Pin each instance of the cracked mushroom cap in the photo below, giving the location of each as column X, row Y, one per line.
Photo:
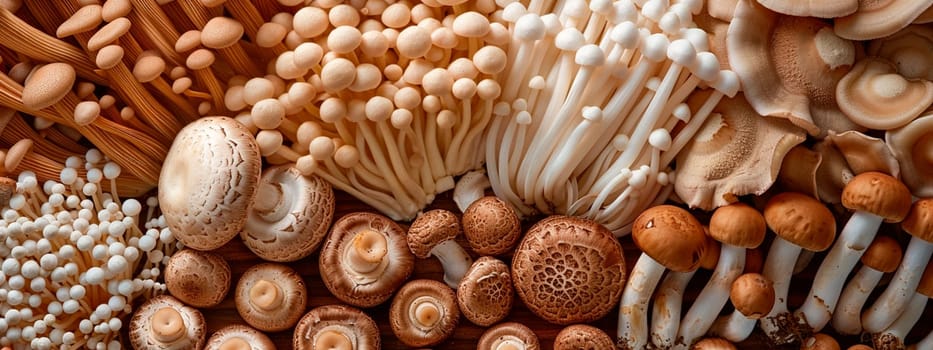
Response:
column 812, row 8
column 883, row 254
column 713, row 344
column 485, row 293
column 919, row 221
column 912, row 145
column 197, row 278
column 424, row 313
column 164, row 322
column 875, row 96
column 491, row 226
column 582, row 337
column 878, row 19
column 430, row 229
column 752, row 295
column 738, row 224
column 671, row 236
column 569, row 270
column 208, row 181
column 239, row 337
column 879, row 194
column 801, row 220
column 290, row 216
column 336, row 327
column 508, row 336
column 271, row 297
column 365, row 259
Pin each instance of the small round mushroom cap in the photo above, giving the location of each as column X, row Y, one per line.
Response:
column 239, row 337
column 710, row 257
column 877, row 193
column 508, row 336
column 752, row 295
column 164, row 322
column 47, row 85
column 197, row 278
column 820, row 341
column 365, row 259
column 290, row 216
column 424, row 313
column 271, row 297
column 713, row 344
column 582, row 337
column 738, row 224
column 430, row 229
column 875, row 96
column 569, row 270
column 671, row 236
column 491, row 226
column 878, row 19
column 801, row 220
column 208, row 181
column 912, row 145
column 919, row 221
column 221, row 32
column 883, row 254
column 336, row 327
column 485, row 293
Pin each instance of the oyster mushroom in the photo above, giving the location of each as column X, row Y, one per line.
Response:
column 239, row 337
column 365, row 259
column 423, row 313
column 433, row 233
column 290, row 216
column 568, row 270
column 163, row 322
column 909, row 49
column 882, row 256
column 809, row 8
column 875, row 96
column 508, row 336
column 582, row 337
column 271, row 297
column 798, row 171
column 485, row 293
column 878, row 19
column 491, row 226
column 864, row 153
column 912, row 145
column 753, row 297
column 336, row 327
column 197, row 278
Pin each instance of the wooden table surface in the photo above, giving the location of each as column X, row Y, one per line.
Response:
column 466, row 334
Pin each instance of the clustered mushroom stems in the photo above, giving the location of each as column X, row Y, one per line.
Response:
column 882, row 256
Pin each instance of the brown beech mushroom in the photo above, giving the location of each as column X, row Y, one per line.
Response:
column 336, row 327
column 808, row 8
column 432, row 234
column 239, row 337
column 508, row 336
column 271, row 297
column 365, row 259
column 893, row 337
column 491, row 226
column 820, row 341
column 568, row 270
column 878, row 19
column 912, row 145
column 164, row 322
column 485, row 293
column 713, row 344
column 752, row 295
column 208, row 181
column 197, row 278
column 875, row 96
column 582, row 337
column 290, row 215
column 882, row 256
column 424, row 313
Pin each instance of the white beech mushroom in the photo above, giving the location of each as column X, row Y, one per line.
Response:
column 882, row 256
column 365, row 259
column 878, row 19
column 432, row 234
column 752, row 295
column 197, row 278
column 670, row 238
column 799, row 222
column 164, row 322
column 491, row 226
column 912, row 147
column 508, row 336
column 290, row 216
column 875, row 197
column 666, row 309
column 581, row 336
column 239, row 337
column 271, row 297
column 336, row 327
column 485, row 293
column 893, row 337
column 423, row 313
column 470, row 188
column 875, row 96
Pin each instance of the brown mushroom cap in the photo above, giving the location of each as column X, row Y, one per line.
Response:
column 424, row 313
column 875, row 96
column 290, row 216
column 912, row 145
column 820, row 341
column 197, row 278
column 47, row 85
column 239, row 337
column 926, row 281
column 485, row 293
column 164, row 322
column 864, row 153
column 798, row 170
column 738, row 224
column 752, row 295
column 507, row 334
column 801, row 220
column 883, row 254
column 491, row 226
column 877, row 19
column 879, row 194
column 271, row 297
column 381, row 243
column 859, row 347
column 671, row 236
column 221, row 32
column 711, row 254
column 208, row 181
column 582, row 337
column 919, row 221
column 809, row 8
column 430, row 229
column 336, row 327
column 713, row 344
column 569, row 270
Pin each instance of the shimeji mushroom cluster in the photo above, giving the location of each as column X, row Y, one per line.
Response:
column 76, row 257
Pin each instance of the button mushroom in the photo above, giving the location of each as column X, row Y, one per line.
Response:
column 239, row 337
column 713, row 344
column 882, row 256
column 163, row 322
column 508, row 336
column 485, row 293
column 271, row 297
column 568, row 270
column 432, row 234
column 197, row 278
column 491, row 226
column 336, row 327
column 423, row 313
column 365, row 259
column 753, row 297
column 912, row 146
column 582, row 337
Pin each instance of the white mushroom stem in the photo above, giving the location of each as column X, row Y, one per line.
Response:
column 897, row 295
column 455, row 261
column 735, row 327
column 665, row 311
column 847, row 316
column 779, row 271
column 713, row 296
column 469, row 188
column 902, row 325
column 633, row 317
column 855, row 237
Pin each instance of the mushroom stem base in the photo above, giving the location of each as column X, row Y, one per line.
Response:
column 633, row 317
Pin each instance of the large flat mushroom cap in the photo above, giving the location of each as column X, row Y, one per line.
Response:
column 485, row 293
column 508, row 333
column 271, row 297
column 801, row 220
column 582, row 337
column 208, row 181
column 164, row 322
column 879, row 194
column 875, row 96
column 430, row 229
column 671, row 236
column 358, row 329
column 200, row 279
column 569, row 270
column 812, row 8
column 912, row 145
column 879, row 18
column 919, row 222
column 239, row 337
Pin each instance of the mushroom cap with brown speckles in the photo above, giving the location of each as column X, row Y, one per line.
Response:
column 752, row 295
column 430, row 229
column 200, row 279
column 439, row 304
column 801, row 220
column 239, row 337
column 485, row 293
column 582, row 337
column 352, row 323
column 508, row 333
column 491, row 226
column 877, row 193
column 271, row 297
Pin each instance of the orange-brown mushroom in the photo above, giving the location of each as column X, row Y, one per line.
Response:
column 239, row 337
column 508, row 336
column 582, row 337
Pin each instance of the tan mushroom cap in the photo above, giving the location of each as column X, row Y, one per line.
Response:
column 671, row 236
column 713, row 344
column 812, row 8
column 798, row 171
column 271, row 297
column 883, row 254
column 208, row 181
column 875, row 96
column 290, row 215
column 378, row 241
column 926, row 281
column 569, row 270
column 879, row 194
column 485, row 293
column 221, row 32
column 197, row 278
column 336, row 327
column 430, row 229
column 738, row 224
column 912, row 145
column 801, row 220
column 864, row 153
column 820, row 341
column 424, row 313
column 47, row 85
column 582, row 337
column 909, row 49
column 919, row 221
column 859, row 347
column 879, row 18
column 503, row 335
column 239, row 337
column 491, row 226
column 164, row 322
column 752, row 295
